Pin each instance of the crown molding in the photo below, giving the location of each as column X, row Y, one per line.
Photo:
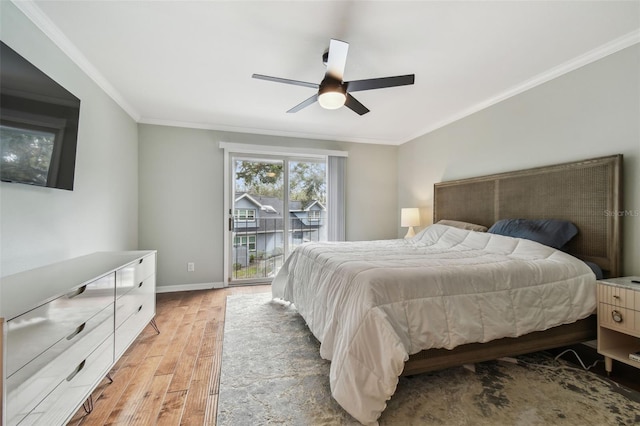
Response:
column 44, row 24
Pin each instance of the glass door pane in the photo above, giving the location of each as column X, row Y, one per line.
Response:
column 258, row 208
column 307, row 201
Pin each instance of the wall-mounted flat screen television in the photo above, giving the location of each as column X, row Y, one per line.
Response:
column 38, row 125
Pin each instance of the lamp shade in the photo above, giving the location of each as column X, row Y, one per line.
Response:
column 410, row 217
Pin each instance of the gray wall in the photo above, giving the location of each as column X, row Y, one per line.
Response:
column 590, row 112
column 181, row 196
column 43, row 225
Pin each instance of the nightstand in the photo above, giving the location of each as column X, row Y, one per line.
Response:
column 618, row 320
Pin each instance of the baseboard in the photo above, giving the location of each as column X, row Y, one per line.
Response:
column 188, row 287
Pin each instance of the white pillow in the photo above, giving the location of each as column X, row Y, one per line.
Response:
column 463, row 225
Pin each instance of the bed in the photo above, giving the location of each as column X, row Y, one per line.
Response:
column 450, row 296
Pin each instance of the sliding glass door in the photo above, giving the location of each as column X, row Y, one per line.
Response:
column 277, row 203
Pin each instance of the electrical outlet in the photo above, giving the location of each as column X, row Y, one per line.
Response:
column 191, row 267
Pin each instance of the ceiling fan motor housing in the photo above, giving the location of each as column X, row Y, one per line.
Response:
column 331, row 84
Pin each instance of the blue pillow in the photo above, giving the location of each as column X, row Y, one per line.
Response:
column 596, row 270
column 550, row 232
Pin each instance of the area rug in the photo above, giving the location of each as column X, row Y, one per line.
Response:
column 272, row 373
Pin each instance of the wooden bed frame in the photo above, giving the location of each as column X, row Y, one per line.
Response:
column 587, row 193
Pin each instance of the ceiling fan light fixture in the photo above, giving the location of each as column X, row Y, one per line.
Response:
column 332, row 94
column 332, row 100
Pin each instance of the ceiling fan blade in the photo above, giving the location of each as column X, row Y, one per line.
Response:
column 337, row 58
column 380, row 83
column 304, row 103
column 354, row 105
column 286, row 81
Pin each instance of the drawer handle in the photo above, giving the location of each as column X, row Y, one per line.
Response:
column 77, row 292
column 617, row 316
column 77, row 331
column 140, row 308
column 140, row 285
column 76, row 371
column 615, row 296
column 140, row 261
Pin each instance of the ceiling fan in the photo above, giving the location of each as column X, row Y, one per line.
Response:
column 332, row 91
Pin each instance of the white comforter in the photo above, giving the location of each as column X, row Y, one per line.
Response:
column 372, row 304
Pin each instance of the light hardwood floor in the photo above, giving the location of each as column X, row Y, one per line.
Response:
column 169, row 378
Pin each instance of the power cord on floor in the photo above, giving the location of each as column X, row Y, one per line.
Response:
column 562, row 367
column 553, row 367
column 579, row 359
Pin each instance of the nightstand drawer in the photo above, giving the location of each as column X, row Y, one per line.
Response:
column 619, row 318
column 619, row 296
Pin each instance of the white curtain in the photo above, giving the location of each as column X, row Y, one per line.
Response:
column 336, row 203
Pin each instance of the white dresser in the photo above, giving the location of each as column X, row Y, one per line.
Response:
column 65, row 325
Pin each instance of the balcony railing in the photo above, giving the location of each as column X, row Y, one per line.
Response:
column 258, row 245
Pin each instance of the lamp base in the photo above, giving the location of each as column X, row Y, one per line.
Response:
column 410, row 232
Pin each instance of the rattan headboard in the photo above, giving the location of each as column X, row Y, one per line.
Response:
column 587, row 193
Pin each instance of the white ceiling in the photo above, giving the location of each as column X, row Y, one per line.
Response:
column 190, row 63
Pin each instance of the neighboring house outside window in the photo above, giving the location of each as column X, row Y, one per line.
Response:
column 248, row 215
column 259, row 223
column 249, row 241
column 314, row 215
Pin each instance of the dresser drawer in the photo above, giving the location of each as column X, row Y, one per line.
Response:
column 145, row 267
column 40, row 376
column 134, row 324
column 619, row 318
column 133, row 274
column 128, row 303
column 77, row 381
column 33, row 332
column 619, row 296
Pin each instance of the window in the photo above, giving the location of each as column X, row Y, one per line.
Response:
column 314, row 215
column 245, row 215
column 248, row 240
